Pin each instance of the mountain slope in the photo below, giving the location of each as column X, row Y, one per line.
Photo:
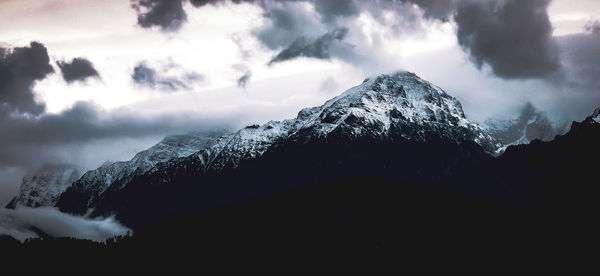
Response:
column 556, row 178
column 44, row 186
column 85, row 190
column 400, row 103
column 395, row 126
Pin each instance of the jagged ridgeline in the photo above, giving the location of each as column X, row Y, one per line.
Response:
column 394, row 126
column 44, row 186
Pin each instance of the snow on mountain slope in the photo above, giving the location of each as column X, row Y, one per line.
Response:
column 372, row 108
column 44, row 186
column 116, row 174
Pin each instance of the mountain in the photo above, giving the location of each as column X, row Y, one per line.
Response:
column 85, row 190
column 44, row 186
column 395, row 126
column 557, row 178
column 419, row 187
column 531, row 124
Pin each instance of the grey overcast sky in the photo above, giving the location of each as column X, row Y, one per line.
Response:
column 84, row 81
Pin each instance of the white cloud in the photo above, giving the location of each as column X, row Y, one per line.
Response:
column 22, row 223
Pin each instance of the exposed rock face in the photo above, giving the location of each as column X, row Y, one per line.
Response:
column 44, row 186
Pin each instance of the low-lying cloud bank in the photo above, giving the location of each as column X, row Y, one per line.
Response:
column 23, row 223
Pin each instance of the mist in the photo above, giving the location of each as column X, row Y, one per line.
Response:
column 24, row 223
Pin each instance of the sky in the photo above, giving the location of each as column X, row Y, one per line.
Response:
column 86, row 81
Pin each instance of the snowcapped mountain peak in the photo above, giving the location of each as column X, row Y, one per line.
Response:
column 44, row 186
column 404, row 92
column 376, row 107
column 383, row 101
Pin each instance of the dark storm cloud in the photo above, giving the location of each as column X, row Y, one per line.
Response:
column 287, row 22
column 318, row 48
column 200, row 3
column 19, row 69
column 79, row 69
column 29, row 137
column 580, row 56
column 244, row 79
column 438, row 9
column 166, row 14
column 593, row 27
column 513, row 37
column 144, row 75
column 332, row 9
column 329, row 85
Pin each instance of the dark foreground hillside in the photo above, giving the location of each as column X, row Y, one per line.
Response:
column 337, row 219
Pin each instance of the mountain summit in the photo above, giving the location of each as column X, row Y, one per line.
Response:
column 396, row 104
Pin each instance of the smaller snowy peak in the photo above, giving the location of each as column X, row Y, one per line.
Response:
column 248, row 143
column 171, row 147
column 44, row 186
column 529, row 125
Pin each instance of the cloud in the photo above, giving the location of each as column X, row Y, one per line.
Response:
column 318, row 48
column 513, row 37
column 330, row 10
column 146, row 76
column 244, row 79
column 19, row 69
column 79, row 69
column 438, row 9
column 329, row 85
column 87, row 135
column 29, row 137
column 580, row 58
column 168, row 15
column 593, row 27
column 23, row 223
column 287, row 21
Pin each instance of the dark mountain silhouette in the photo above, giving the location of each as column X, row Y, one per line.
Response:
column 558, row 177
